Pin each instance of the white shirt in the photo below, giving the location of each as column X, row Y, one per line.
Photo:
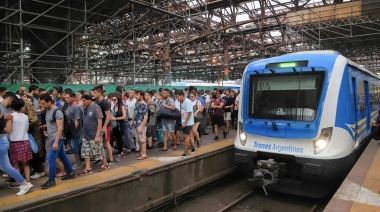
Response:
column 208, row 98
column 131, row 107
column 177, row 105
column 20, row 127
column 1, row 99
column 237, row 99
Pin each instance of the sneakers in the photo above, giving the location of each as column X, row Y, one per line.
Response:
column 13, row 185
column 216, row 138
column 5, row 175
column 78, row 165
column 98, row 163
column 24, row 189
column 69, row 176
column 119, row 158
column 104, row 168
column 85, row 171
column 37, row 175
column 48, row 184
column 225, row 134
column 110, row 162
column 11, row 180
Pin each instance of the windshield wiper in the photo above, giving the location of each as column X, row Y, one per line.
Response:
column 274, row 125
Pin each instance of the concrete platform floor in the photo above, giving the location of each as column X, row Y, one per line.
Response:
column 129, row 164
column 360, row 190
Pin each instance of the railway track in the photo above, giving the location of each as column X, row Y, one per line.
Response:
column 234, row 193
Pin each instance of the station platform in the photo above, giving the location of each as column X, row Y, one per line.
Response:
column 360, row 190
column 130, row 185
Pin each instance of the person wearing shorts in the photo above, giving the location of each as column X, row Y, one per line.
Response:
column 92, row 142
column 168, row 125
column 218, row 115
column 98, row 92
column 229, row 100
column 140, row 122
column 187, row 120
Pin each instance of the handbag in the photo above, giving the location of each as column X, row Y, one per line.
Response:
column 166, row 113
column 33, row 143
column 112, row 122
column 160, row 136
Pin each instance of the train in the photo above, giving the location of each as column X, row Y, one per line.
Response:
column 230, row 84
column 304, row 119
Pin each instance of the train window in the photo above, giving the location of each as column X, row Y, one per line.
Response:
column 286, row 96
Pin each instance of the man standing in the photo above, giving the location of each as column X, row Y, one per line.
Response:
column 74, row 114
column 55, row 128
column 5, row 105
column 128, row 137
column 218, row 115
column 3, row 90
column 34, row 91
column 22, row 90
column 168, row 124
column 140, row 120
column 92, row 139
column 105, row 107
column 187, row 120
column 228, row 108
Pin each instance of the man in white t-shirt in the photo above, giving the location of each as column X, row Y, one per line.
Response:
column 187, row 120
column 128, row 136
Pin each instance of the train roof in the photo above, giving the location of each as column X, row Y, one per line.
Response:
column 303, row 54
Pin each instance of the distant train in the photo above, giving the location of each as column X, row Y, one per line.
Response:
column 304, row 119
column 225, row 84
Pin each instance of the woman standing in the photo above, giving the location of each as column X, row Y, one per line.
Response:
column 197, row 109
column 5, row 165
column 20, row 151
column 118, row 115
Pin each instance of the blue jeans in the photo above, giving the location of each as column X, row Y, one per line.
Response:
column 127, row 137
column 5, row 165
column 75, row 144
column 61, row 154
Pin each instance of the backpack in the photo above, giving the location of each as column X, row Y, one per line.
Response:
column 68, row 125
column 149, row 112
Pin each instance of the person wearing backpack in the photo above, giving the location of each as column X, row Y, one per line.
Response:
column 56, row 137
column 74, row 116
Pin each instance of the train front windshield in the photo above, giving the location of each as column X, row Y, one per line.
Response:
column 285, row 96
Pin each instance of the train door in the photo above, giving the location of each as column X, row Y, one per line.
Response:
column 357, row 119
column 368, row 106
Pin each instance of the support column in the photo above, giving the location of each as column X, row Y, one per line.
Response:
column 225, row 60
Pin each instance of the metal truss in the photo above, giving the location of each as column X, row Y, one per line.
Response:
column 161, row 41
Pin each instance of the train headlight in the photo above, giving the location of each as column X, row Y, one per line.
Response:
column 242, row 135
column 321, row 144
column 323, row 140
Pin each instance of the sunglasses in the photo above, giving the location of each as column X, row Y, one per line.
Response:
column 113, row 99
column 217, row 93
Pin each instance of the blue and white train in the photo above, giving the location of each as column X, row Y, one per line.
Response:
column 304, row 119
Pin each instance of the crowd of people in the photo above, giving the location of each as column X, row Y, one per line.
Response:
column 92, row 126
